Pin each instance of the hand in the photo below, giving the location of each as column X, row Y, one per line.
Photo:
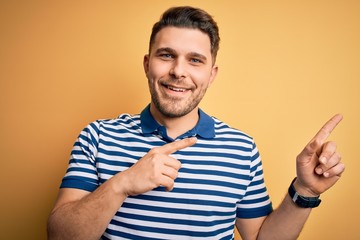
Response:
column 156, row 168
column 318, row 166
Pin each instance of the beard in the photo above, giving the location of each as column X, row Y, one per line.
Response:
column 173, row 107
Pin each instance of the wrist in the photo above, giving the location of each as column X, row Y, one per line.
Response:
column 119, row 185
column 302, row 190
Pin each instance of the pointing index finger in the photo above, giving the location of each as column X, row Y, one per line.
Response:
column 329, row 126
column 177, row 145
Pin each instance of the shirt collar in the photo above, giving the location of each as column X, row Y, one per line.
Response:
column 205, row 127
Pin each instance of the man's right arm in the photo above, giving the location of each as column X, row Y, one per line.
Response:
column 79, row 214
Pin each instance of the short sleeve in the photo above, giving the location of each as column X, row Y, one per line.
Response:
column 81, row 172
column 256, row 202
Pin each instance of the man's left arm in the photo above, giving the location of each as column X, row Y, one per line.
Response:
column 318, row 168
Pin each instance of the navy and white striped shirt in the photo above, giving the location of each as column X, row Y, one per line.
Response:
column 220, row 178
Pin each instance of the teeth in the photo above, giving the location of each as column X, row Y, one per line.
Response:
column 176, row 89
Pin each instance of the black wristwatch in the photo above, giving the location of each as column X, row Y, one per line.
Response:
column 301, row 201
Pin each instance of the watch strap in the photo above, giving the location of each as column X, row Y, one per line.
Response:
column 302, row 201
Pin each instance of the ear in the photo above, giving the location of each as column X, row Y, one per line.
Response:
column 214, row 71
column 146, row 63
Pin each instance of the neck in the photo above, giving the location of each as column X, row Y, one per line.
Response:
column 176, row 126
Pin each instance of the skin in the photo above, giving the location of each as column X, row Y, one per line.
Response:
column 179, row 69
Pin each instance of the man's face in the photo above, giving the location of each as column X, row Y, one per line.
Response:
column 179, row 69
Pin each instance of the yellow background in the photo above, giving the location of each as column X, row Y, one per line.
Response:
column 285, row 68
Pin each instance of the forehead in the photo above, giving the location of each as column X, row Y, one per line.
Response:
column 183, row 40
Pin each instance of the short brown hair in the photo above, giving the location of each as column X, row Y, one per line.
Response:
column 189, row 17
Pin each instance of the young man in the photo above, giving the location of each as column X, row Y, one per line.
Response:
column 173, row 172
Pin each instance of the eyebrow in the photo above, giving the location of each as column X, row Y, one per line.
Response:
column 198, row 55
column 165, row 49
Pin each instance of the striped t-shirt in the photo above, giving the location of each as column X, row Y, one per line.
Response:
column 220, row 178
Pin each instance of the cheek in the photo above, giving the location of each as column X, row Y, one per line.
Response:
column 158, row 70
column 201, row 79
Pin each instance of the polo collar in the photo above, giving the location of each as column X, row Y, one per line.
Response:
column 205, row 127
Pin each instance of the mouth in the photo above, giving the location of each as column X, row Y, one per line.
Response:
column 177, row 89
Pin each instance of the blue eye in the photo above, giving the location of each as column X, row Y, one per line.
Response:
column 166, row 55
column 196, row 60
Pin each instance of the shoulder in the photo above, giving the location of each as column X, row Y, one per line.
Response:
column 223, row 130
column 123, row 123
column 125, row 120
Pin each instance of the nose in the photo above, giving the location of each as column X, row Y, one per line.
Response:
column 178, row 69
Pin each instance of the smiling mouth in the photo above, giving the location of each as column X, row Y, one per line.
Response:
column 175, row 89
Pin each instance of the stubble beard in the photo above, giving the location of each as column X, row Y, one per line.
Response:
column 174, row 107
